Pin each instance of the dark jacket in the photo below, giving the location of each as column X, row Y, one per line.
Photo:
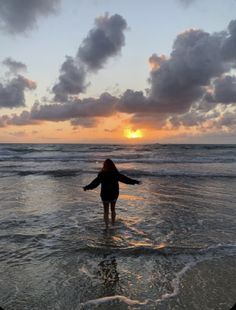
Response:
column 110, row 184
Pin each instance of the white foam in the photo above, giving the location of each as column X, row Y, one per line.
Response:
column 110, row 300
column 175, row 283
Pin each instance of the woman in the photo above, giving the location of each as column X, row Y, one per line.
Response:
column 109, row 178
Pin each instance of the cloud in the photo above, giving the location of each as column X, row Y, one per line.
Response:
column 24, row 118
column 80, row 112
column 227, row 120
column 229, row 46
column 21, row 16
column 156, row 61
column 12, row 92
column 103, row 41
column 192, row 118
column 76, row 108
column 191, row 88
column 224, row 90
column 180, row 80
column 196, row 64
column 71, row 80
column 14, row 66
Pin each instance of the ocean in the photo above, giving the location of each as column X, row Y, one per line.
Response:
column 173, row 246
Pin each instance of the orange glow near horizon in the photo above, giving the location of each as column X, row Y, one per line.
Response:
column 133, row 134
column 115, row 129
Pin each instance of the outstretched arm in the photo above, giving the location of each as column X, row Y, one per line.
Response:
column 93, row 184
column 124, row 179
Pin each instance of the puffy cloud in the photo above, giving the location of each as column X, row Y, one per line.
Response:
column 134, row 102
column 103, row 41
column 192, row 118
column 88, row 107
column 24, row 118
column 180, row 80
column 71, row 80
column 20, row 16
column 12, row 93
column 229, row 46
column 177, row 83
column 14, row 66
column 224, row 90
column 81, row 112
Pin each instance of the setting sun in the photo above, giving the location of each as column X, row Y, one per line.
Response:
column 133, row 134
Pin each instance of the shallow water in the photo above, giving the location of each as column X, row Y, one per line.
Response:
column 172, row 247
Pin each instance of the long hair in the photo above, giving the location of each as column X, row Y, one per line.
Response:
column 108, row 165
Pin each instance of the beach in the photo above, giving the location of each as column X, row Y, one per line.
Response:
column 173, row 245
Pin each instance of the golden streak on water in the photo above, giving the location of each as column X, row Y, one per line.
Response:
column 161, row 245
column 131, row 197
column 148, row 244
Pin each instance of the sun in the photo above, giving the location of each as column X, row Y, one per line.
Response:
column 133, row 134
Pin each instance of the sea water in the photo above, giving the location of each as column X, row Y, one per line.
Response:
column 173, row 245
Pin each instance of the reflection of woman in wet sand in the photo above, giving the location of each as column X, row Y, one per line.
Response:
column 109, row 178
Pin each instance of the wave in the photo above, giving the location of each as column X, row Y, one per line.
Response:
column 131, row 173
column 53, row 173
column 178, row 174
column 110, row 301
column 166, row 250
column 122, row 159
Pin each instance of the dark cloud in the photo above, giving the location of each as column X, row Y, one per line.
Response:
column 20, row 120
column 12, row 93
column 24, row 118
column 103, row 41
column 89, row 107
column 192, row 118
column 71, row 80
column 14, row 66
column 18, row 16
column 134, row 102
column 180, row 81
column 81, row 112
column 229, row 45
column 224, row 90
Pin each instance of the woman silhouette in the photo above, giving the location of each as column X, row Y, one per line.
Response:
column 109, row 178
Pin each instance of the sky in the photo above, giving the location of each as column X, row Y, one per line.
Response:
column 109, row 71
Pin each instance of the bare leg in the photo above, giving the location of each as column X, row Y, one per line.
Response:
column 106, row 213
column 113, row 212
